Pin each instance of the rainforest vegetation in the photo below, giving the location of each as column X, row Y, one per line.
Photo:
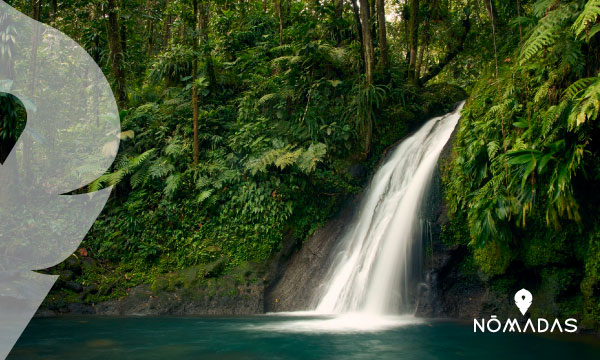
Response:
column 246, row 123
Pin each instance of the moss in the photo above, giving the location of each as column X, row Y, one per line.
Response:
column 493, row 258
column 590, row 286
column 547, row 247
column 556, row 287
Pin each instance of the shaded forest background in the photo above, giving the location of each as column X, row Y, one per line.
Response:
column 249, row 122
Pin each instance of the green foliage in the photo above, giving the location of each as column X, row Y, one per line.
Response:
column 525, row 162
column 590, row 286
column 587, row 18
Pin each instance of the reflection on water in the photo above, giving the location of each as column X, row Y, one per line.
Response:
column 290, row 336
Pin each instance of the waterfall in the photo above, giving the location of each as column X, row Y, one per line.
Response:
column 378, row 258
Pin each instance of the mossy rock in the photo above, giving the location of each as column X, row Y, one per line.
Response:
column 546, row 248
column 590, row 286
column 493, row 258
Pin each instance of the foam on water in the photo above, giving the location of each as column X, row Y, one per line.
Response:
column 313, row 322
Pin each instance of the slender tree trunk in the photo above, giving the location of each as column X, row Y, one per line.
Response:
column 520, row 27
column 116, row 53
column 489, row 6
column 369, row 52
column 168, row 22
column 413, row 28
column 338, row 15
column 196, row 31
column 424, row 43
column 356, row 12
column 372, row 19
column 123, row 35
column 277, row 5
column 150, row 26
column 490, row 9
column 384, row 59
column 203, row 10
column 53, row 11
column 36, row 9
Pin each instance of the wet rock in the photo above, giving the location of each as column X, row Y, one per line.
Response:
column 88, row 264
column 303, row 269
column 357, row 171
column 73, row 264
column 66, row 275
column 80, row 309
column 73, row 286
column 91, row 289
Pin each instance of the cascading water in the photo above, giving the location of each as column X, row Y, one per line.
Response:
column 376, row 259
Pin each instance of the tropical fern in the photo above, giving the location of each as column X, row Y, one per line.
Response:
column 588, row 17
column 587, row 107
column 547, row 31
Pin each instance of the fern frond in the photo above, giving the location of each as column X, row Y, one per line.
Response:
column 587, row 107
column 546, row 32
column 310, row 158
column 203, row 196
column 173, row 183
column 160, row 168
column 577, row 87
column 588, row 17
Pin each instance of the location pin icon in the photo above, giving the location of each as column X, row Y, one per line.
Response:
column 523, row 299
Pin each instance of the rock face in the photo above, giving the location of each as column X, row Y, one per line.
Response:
column 448, row 291
column 301, row 273
column 142, row 301
column 200, row 301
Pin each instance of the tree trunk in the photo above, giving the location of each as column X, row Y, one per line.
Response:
column 116, row 53
column 424, row 43
column 338, row 15
column 490, row 9
column 150, row 27
column 356, row 12
column 196, row 31
column 413, row 34
column 36, row 10
column 369, row 52
column 384, row 59
column 53, row 11
column 277, row 5
column 203, row 10
column 123, row 34
column 372, row 19
column 168, row 22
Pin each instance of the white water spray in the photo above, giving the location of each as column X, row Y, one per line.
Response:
column 376, row 257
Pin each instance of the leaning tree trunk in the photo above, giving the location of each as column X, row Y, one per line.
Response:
column 413, row 33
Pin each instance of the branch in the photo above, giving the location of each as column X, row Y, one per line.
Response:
column 436, row 69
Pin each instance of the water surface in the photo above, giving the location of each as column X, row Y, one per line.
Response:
column 283, row 337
